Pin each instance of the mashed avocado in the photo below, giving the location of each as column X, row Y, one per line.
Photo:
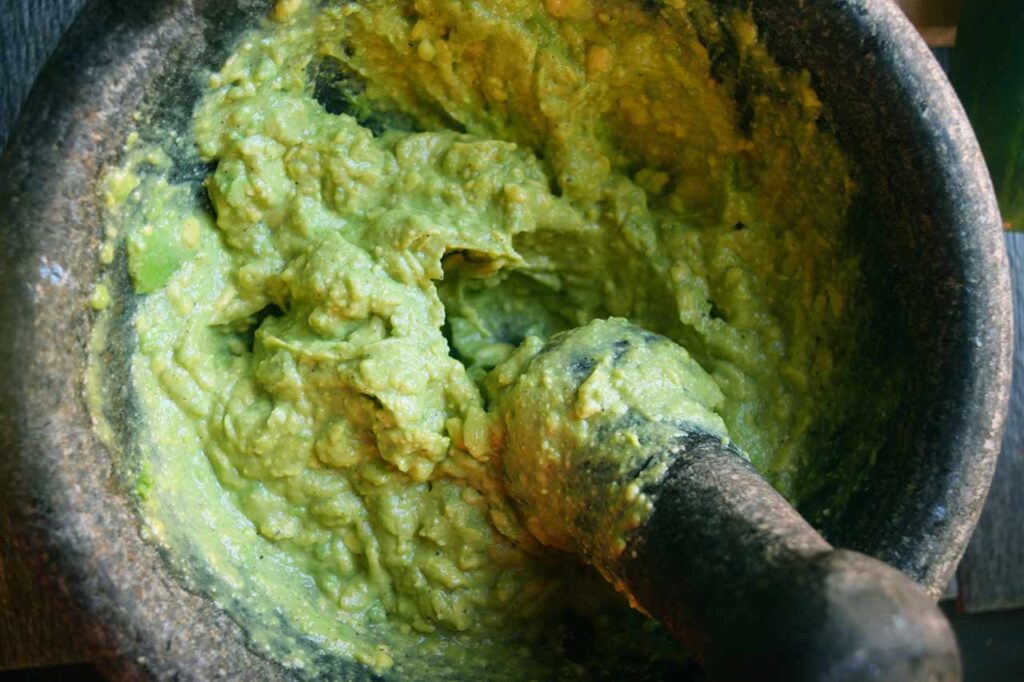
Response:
column 402, row 194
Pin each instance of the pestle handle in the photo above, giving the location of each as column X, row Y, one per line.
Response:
column 748, row 585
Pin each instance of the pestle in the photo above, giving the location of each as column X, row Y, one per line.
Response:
column 613, row 451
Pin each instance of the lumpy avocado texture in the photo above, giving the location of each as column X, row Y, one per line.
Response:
column 403, row 193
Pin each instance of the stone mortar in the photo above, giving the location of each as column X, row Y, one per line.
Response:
column 934, row 216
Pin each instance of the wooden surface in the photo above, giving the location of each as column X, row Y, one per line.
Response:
column 936, row 19
column 925, row 13
column 34, row 630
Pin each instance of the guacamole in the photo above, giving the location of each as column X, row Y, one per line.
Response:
column 401, row 194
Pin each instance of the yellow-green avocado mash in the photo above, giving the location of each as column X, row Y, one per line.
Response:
column 403, row 193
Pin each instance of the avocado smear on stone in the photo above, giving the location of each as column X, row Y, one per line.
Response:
column 403, row 194
column 592, row 419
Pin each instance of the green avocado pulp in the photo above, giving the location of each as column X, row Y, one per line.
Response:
column 404, row 193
